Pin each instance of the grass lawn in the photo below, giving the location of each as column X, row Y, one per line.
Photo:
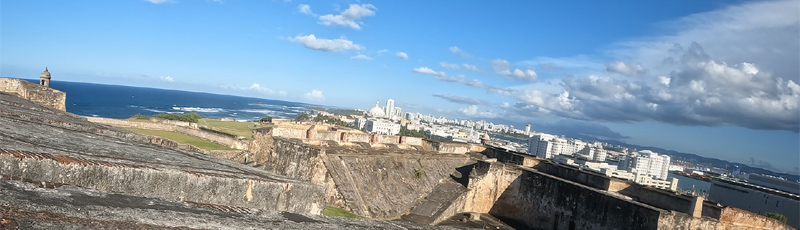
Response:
column 244, row 129
column 180, row 138
column 334, row 211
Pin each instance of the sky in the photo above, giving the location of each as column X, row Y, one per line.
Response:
column 714, row 78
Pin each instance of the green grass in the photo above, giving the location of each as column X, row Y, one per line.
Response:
column 244, row 129
column 181, row 138
column 338, row 212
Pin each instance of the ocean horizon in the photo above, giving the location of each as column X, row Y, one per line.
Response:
column 119, row 101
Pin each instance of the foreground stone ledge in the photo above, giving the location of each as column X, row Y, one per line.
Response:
column 29, row 206
column 164, row 183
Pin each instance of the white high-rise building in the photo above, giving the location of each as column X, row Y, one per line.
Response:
column 547, row 146
column 390, row 109
column 648, row 163
column 398, row 113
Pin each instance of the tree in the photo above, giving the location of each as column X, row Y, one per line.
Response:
column 777, row 216
column 266, row 119
column 330, row 120
column 302, row 117
column 187, row 117
column 404, row 131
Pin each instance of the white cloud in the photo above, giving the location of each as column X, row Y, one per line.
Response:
column 326, row 45
column 381, row 52
column 254, row 87
column 167, row 79
column 742, row 71
column 448, row 65
column 471, row 110
column 361, row 57
column 460, row 52
column 430, row 71
column 626, row 69
column 315, row 95
column 504, row 68
column 156, row 1
column 464, row 81
column 305, row 9
column 349, row 17
column 472, row 68
column 259, row 88
column 402, row 55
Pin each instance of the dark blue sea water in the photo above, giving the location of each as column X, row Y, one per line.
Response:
column 116, row 101
column 688, row 183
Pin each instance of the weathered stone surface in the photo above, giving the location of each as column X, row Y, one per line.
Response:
column 441, row 203
column 43, row 144
column 187, row 128
column 36, row 93
column 28, row 206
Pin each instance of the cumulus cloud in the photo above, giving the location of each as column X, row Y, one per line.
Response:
column 381, row 52
column 472, row 111
column 326, row 45
column 349, row 17
column 315, row 95
column 472, row 68
column 448, row 65
column 460, row 52
column 626, row 69
column 402, row 55
column 504, row 68
column 167, row 79
column 460, row 99
column 701, row 91
column 305, row 9
column 361, row 57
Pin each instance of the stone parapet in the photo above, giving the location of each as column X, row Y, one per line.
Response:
column 323, row 134
column 53, row 147
column 33, row 92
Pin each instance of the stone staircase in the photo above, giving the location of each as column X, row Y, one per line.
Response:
column 430, row 208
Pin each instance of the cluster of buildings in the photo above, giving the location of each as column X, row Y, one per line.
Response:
column 388, row 120
column 757, row 194
column 643, row 167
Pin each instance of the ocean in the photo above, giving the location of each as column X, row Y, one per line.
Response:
column 115, row 101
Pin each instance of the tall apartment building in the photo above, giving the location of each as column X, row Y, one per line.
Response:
column 548, row 146
column 646, row 162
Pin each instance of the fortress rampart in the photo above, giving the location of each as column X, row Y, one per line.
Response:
column 183, row 127
column 33, row 92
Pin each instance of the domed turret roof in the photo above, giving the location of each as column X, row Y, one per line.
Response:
column 45, row 73
column 375, row 111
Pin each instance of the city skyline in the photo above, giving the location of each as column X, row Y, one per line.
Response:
column 717, row 79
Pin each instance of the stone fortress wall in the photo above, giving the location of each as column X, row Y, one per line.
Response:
column 369, row 179
column 33, row 92
column 328, row 135
column 547, row 194
column 54, row 148
column 384, row 179
column 183, row 127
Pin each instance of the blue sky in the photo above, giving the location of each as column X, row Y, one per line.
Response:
column 714, row 78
